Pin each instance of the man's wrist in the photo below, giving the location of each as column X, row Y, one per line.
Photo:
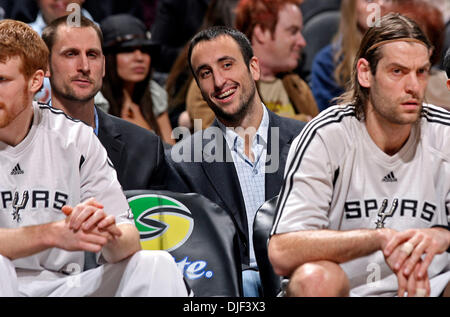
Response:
column 441, row 226
column 384, row 235
column 49, row 232
column 444, row 227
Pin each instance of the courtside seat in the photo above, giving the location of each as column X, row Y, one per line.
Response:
column 318, row 32
column 198, row 233
column 271, row 283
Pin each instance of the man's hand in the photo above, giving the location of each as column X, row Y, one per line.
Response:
column 427, row 242
column 410, row 253
column 89, row 216
column 86, row 227
column 411, row 284
column 80, row 240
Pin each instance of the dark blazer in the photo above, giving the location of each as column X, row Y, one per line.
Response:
column 136, row 153
column 218, row 181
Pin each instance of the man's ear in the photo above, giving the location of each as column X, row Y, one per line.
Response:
column 364, row 72
column 35, row 81
column 254, row 68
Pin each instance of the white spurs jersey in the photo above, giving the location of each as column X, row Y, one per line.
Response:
column 60, row 162
column 337, row 178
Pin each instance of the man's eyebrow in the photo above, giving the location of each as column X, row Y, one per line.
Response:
column 396, row 64
column 94, row 50
column 224, row 58
column 221, row 59
column 74, row 49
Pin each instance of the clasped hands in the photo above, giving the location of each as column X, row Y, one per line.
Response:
column 409, row 254
column 87, row 227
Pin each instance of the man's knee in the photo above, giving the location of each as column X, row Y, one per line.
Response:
column 446, row 292
column 153, row 263
column 321, row 279
column 6, row 265
column 153, row 273
column 158, row 258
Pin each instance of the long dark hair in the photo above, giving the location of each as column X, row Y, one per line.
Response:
column 112, row 90
column 391, row 27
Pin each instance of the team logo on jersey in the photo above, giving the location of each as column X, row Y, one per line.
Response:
column 23, row 201
column 163, row 222
column 389, row 178
column 19, row 206
column 382, row 214
column 17, row 170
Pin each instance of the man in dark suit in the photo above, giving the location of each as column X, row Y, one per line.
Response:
column 238, row 162
column 76, row 70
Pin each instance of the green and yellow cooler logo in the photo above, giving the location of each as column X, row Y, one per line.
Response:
column 163, row 222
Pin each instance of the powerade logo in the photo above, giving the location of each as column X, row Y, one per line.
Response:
column 165, row 223
column 194, row 270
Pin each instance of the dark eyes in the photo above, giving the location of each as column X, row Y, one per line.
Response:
column 205, row 73
column 88, row 54
column 423, row 71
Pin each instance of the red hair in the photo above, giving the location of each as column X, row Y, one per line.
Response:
column 250, row 13
column 18, row 39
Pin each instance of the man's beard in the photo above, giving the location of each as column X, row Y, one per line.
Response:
column 69, row 94
column 25, row 103
column 244, row 105
column 390, row 114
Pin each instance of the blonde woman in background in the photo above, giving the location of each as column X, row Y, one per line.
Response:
column 332, row 66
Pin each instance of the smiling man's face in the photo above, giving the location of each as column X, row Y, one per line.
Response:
column 226, row 82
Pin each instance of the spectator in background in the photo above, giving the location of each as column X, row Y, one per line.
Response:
column 128, row 87
column 430, row 20
column 331, row 68
column 274, row 28
column 76, row 67
column 52, row 9
column 220, row 12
